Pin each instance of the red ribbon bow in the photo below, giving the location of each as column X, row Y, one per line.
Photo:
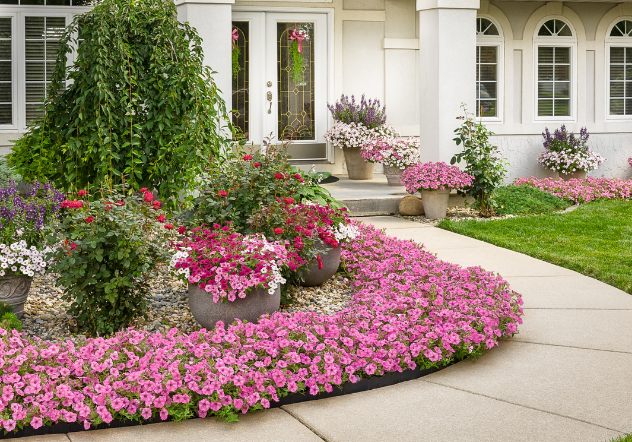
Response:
column 299, row 37
column 235, row 37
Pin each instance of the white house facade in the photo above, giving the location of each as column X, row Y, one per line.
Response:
column 521, row 66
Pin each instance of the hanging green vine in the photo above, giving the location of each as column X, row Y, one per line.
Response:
column 236, row 65
column 297, row 63
column 296, row 54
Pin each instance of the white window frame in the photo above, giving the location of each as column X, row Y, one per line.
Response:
column 556, row 42
column 499, row 42
column 19, row 13
column 617, row 42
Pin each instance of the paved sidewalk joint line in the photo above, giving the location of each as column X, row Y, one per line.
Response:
column 305, row 424
column 524, row 406
column 572, row 346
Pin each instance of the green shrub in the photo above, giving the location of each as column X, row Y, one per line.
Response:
column 8, row 320
column 523, row 200
column 240, row 184
column 482, row 161
column 109, row 247
column 141, row 107
column 7, row 173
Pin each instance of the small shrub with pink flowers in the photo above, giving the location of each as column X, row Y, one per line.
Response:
column 227, row 264
column 566, row 153
column 392, row 152
column 108, row 245
column 581, row 190
column 409, row 310
column 434, row 176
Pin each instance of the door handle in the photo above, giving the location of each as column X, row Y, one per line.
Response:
column 269, row 97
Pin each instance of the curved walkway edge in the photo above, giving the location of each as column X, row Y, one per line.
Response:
column 567, row 375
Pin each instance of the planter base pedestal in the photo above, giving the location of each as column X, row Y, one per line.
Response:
column 14, row 289
column 357, row 168
column 435, row 203
column 256, row 303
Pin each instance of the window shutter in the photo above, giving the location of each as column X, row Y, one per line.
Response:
column 42, row 35
column 6, row 72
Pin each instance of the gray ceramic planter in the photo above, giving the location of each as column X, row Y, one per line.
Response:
column 393, row 175
column 331, row 261
column 256, row 303
column 357, row 168
column 578, row 174
column 435, row 203
column 14, row 289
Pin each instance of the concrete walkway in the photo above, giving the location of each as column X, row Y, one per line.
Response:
column 566, row 377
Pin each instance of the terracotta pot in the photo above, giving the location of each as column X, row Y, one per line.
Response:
column 393, row 175
column 578, row 174
column 357, row 168
column 14, row 289
column 256, row 303
column 435, row 203
column 331, row 261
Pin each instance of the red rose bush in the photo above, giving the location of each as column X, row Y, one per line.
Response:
column 409, row 310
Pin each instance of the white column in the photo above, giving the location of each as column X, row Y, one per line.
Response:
column 447, row 54
column 213, row 21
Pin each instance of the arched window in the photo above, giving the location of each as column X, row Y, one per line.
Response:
column 619, row 50
column 488, row 72
column 555, row 47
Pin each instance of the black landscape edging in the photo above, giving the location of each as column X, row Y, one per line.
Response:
column 364, row 384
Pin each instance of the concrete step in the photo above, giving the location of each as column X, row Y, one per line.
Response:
column 375, row 196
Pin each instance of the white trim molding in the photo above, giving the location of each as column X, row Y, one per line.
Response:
column 618, row 42
column 424, row 5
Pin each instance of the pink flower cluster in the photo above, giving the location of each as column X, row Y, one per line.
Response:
column 568, row 161
column 409, row 310
column 581, row 190
column 434, row 176
column 392, row 152
column 228, row 264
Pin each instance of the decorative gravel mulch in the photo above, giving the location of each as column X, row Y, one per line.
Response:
column 45, row 312
column 454, row 214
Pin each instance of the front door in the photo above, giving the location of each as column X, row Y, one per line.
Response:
column 280, row 80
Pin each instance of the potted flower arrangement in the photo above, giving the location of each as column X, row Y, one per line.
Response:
column 568, row 154
column 230, row 275
column 315, row 232
column 395, row 155
column 355, row 125
column 110, row 242
column 23, row 249
column 435, row 181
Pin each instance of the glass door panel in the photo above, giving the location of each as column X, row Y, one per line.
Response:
column 241, row 78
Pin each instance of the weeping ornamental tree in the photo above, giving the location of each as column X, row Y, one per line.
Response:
column 136, row 107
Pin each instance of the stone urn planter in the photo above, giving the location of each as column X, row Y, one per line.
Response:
column 314, row 276
column 256, row 303
column 435, row 202
column 578, row 174
column 14, row 289
column 393, row 175
column 357, row 168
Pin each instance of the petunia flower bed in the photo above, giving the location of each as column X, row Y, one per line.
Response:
column 581, row 190
column 410, row 310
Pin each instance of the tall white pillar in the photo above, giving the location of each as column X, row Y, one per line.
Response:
column 447, row 54
column 213, row 21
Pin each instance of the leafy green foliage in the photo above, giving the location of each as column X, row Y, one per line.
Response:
column 297, row 63
column 7, row 173
column 241, row 184
column 523, row 200
column 482, row 160
column 141, row 108
column 8, row 320
column 595, row 239
column 109, row 249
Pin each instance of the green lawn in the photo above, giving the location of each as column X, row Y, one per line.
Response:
column 627, row 438
column 595, row 239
